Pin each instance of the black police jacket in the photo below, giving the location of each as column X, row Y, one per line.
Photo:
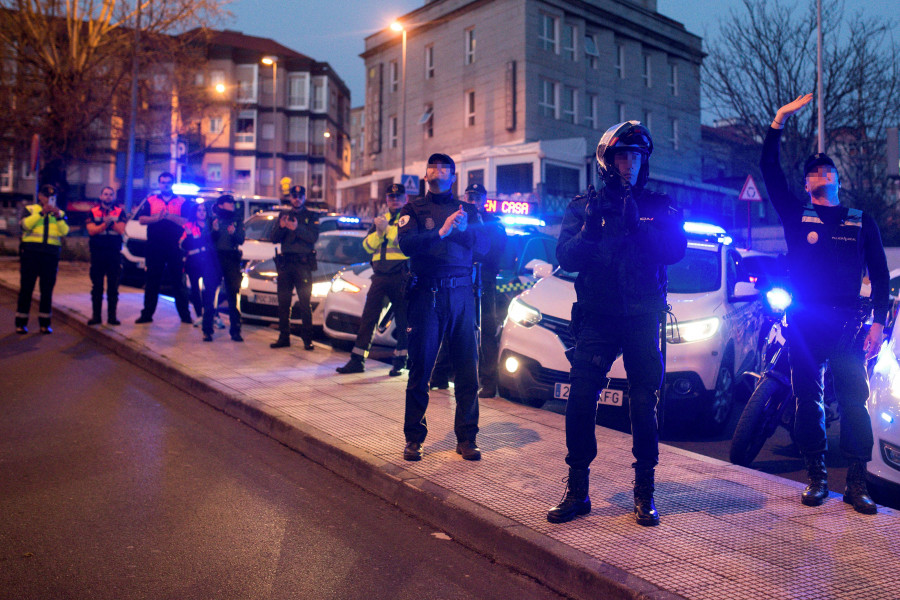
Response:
column 301, row 241
column 491, row 257
column 429, row 255
column 621, row 265
column 829, row 247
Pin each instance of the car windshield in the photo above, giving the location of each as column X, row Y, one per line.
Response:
column 259, row 227
column 698, row 272
column 341, row 249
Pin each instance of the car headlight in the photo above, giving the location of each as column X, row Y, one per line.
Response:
column 692, row 331
column 779, row 299
column 339, row 284
column 245, row 281
column 320, row 290
column 522, row 314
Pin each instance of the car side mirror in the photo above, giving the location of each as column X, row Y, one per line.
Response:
column 744, row 291
column 542, row 269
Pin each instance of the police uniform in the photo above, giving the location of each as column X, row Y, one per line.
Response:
column 200, row 263
column 441, row 304
column 829, row 250
column 389, row 274
column 295, row 264
column 164, row 257
column 106, row 260
column 228, row 254
column 39, row 252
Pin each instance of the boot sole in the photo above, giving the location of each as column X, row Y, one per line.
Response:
column 813, row 501
column 862, row 509
column 646, row 522
column 578, row 513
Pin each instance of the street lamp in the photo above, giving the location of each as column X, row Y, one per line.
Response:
column 273, row 61
column 398, row 26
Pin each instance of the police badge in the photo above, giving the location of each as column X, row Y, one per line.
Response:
column 429, row 223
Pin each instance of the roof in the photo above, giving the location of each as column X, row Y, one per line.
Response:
column 237, row 39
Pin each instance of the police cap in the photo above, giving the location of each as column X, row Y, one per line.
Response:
column 298, row 191
column 817, row 160
column 442, row 159
column 476, row 188
column 395, row 189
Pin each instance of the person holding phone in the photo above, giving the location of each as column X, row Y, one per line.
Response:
column 43, row 228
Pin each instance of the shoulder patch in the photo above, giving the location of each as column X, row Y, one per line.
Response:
column 403, row 221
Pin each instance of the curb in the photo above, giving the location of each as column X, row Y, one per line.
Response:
column 561, row 568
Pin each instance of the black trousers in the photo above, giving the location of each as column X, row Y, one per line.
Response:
column 205, row 266
column 106, row 264
column 165, row 264
column 489, row 351
column 36, row 262
column 598, row 344
column 816, row 339
column 392, row 287
column 434, row 316
column 227, row 281
column 295, row 275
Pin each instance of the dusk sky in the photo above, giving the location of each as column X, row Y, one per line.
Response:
column 333, row 30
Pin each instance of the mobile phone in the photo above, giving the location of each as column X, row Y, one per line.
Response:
column 52, row 201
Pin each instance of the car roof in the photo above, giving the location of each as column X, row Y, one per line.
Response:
column 344, row 232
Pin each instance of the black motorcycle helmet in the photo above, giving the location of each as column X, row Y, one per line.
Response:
column 630, row 135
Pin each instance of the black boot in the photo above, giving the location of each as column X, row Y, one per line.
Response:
column 644, row 509
column 817, row 490
column 575, row 501
column 111, row 314
column 95, row 313
column 397, row 366
column 283, row 341
column 356, row 364
column 856, row 492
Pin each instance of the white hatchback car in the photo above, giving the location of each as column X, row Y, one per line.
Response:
column 713, row 337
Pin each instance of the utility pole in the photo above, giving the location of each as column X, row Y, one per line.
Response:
column 129, row 156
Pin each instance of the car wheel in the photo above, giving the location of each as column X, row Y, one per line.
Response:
column 721, row 399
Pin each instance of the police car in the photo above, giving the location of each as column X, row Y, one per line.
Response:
column 526, row 248
column 335, row 250
column 712, row 334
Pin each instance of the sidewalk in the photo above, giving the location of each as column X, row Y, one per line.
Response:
column 726, row 531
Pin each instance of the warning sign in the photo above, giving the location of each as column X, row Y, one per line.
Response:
column 411, row 183
column 750, row 193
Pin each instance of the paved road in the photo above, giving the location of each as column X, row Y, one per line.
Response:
column 117, row 485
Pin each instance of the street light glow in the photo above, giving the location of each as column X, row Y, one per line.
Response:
column 268, row 60
column 397, row 26
column 220, row 87
column 328, row 134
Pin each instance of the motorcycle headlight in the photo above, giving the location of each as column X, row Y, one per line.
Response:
column 692, row 331
column 320, row 290
column 339, row 284
column 778, row 299
column 522, row 314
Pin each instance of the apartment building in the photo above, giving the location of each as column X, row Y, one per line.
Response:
column 520, row 91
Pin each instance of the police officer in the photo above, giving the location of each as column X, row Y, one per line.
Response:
column 619, row 241
column 389, row 272
column 161, row 213
column 829, row 248
column 105, row 225
column 228, row 235
column 297, row 231
column 440, row 235
column 490, row 324
column 43, row 227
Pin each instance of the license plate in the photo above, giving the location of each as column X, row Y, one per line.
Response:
column 609, row 396
column 270, row 299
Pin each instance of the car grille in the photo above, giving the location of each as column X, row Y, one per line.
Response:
column 547, row 376
column 560, row 327
column 343, row 322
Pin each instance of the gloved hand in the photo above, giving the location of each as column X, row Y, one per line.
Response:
column 593, row 217
column 632, row 215
column 611, row 207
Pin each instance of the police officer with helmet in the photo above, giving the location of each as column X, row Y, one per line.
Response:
column 830, row 246
column 297, row 231
column 619, row 240
column 389, row 274
column 440, row 235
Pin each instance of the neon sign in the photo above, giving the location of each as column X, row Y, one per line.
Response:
column 508, row 207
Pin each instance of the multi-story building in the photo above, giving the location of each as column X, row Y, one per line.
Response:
column 520, row 91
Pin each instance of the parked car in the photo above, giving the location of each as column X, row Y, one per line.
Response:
column 525, row 249
column 712, row 334
column 335, row 250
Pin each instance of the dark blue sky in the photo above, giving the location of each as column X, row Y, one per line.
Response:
column 333, row 30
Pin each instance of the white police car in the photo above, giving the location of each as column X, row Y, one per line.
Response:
column 714, row 336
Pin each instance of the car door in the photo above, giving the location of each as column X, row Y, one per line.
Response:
column 745, row 316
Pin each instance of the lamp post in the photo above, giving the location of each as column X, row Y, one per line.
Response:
column 397, row 26
column 273, row 61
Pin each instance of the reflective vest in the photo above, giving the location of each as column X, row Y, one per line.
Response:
column 165, row 232
column 384, row 248
column 43, row 229
column 108, row 240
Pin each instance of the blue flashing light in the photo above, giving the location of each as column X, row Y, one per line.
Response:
column 353, row 220
column 703, row 228
column 887, row 417
column 520, row 220
column 185, row 189
column 778, row 298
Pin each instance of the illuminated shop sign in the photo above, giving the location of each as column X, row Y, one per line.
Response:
column 509, row 207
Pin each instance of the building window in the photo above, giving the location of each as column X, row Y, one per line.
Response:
column 646, row 74
column 267, row 177
column 591, row 111
column 392, row 131
column 427, row 121
column 620, row 112
column 214, row 172
column 429, row 61
column 569, row 102
column 298, row 87
column 298, row 135
column 318, row 93
column 470, row 108
column 673, row 79
column 267, row 131
column 216, row 124
column 549, row 36
column 394, row 73
column 243, row 181
column 246, row 83
column 515, row 179
column 316, row 187
column 6, row 176
column 297, row 173
column 245, row 127
column 673, row 124
column 620, row 61
column 216, row 78
column 470, row 45
column 591, row 52
column 570, row 42
column 549, row 98
column 317, row 141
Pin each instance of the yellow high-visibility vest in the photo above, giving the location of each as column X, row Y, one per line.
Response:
column 384, row 247
column 43, row 229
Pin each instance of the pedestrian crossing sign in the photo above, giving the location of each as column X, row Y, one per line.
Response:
column 411, row 183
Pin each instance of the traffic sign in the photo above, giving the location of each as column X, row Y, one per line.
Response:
column 750, row 193
column 411, row 183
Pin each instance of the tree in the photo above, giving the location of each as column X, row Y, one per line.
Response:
column 765, row 56
column 67, row 69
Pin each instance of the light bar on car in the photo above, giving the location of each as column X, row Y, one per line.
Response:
column 520, row 220
column 185, row 189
